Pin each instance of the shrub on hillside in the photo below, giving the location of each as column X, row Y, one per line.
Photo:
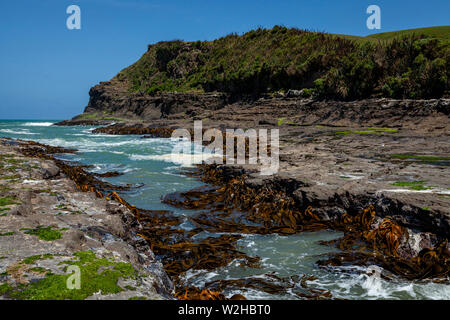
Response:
column 279, row 59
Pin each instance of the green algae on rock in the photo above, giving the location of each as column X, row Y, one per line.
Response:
column 97, row 274
column 44, row 233
column 6, row 201
column 414, row 185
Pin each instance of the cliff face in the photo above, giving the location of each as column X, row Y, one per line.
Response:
column 111, row 99
column 109, row 102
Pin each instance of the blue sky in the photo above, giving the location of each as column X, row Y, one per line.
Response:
column 46, row 70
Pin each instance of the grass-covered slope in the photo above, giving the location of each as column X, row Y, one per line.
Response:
column 441, row 33
column 408, row 65
column 432, row 32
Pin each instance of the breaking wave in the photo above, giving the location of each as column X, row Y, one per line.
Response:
column 185, row 160
column 18, row 131
column 38, row 124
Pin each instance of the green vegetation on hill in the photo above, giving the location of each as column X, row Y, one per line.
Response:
column 432, row 32
column 441, row 33
column 409, row 65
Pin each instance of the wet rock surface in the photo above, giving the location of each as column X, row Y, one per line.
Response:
column 47, row 225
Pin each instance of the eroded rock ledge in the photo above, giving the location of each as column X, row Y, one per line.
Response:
column 110, row 101
column 424, row 227
column 47, row 225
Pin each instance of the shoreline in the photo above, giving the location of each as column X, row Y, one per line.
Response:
column 416, row 238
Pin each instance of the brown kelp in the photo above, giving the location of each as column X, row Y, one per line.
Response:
column 194, row 293
column 149, row 132
column 84, row 181
column 273, row 284
column 379, row 245
column 232, row 205
column 268, row 211
column 174, row 247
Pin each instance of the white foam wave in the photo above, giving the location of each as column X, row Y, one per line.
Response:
column 37, row 124
column 185, row 160
column 434, row 291
column 437, row 191
column 104, row 135
column 18, row 131
column 374, row 287
column 87, row 143
column 32, row 181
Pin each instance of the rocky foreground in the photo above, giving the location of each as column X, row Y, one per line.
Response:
column 48, row 225
column 375, row 169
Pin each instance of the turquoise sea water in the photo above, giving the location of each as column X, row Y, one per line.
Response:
column 149, row 162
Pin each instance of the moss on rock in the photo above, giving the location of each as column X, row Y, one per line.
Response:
column 97, row 275
column 44, row 233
